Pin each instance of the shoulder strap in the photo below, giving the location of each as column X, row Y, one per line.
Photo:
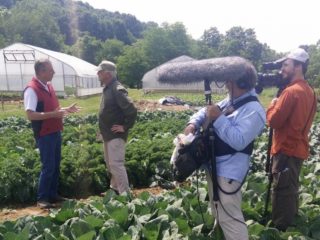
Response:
column 244, row 101
column 223, row 148
column 239, row 104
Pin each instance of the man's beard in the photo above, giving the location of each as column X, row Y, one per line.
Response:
column 284, row 81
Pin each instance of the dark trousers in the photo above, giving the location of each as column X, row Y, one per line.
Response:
column 285, row 199
column 208, row 99
column 50, row 156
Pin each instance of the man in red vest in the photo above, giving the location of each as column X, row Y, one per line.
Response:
column 43, row 110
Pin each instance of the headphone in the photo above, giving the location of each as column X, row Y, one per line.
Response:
column 242, row 83
column 248, row 78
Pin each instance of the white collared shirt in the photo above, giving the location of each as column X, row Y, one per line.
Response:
column 30, row 97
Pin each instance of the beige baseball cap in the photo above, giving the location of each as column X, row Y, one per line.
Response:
column 106, row 66
column 297, row 54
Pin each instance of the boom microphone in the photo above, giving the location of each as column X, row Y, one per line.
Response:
column 213, row 69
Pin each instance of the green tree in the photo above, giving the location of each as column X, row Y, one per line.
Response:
column 111, row 49
column 89, row 21
column 132, row 65
column 159, row 45
column 179, row 39
column 87, row 48
column 121, row 32
column 202, row 51
column 165, row 43
column 212, row 38
column 313, row 73
column 33, row 21
column 134, row 26
column 104, row 25
column 3, row 15
column 2, row 41
column 241, row 42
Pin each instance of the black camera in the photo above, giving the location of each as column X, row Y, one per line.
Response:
column 270, row 78
column 271, row 66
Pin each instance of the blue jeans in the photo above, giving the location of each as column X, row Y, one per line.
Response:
column 50, row 156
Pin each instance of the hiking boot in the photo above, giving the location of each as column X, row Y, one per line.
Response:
column 45, row 204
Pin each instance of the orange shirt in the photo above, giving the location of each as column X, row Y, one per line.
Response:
column 291, row 118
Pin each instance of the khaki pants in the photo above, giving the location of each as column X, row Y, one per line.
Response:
column 114, row 154
column 285, row 187
column 228, row 210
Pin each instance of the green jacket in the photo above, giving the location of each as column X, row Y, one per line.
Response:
column 116, row 108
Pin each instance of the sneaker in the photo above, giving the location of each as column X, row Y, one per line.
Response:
column 58, row 199
column 45, row 204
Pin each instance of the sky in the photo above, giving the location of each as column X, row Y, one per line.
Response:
column 282, row 24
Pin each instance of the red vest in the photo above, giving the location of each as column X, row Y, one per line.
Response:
column 47, row 102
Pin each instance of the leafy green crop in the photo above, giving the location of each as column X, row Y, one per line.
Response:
column 83, row 170
column 175, row 214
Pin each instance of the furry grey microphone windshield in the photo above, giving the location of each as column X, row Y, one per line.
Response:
column 213, row 69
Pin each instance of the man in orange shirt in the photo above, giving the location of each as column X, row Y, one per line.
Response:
column 290, row 116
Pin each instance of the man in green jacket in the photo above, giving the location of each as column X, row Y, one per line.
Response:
column 116, row 116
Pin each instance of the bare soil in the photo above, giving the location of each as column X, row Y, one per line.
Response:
column 14, row 212
column 11, row 214
column 149, row 105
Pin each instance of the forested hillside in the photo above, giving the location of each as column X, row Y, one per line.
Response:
column 92, row 34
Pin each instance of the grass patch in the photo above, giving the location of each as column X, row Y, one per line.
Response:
column 266, row 96
column 90, row 105
column 196, row 98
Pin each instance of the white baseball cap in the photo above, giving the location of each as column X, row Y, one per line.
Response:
column 297, row 54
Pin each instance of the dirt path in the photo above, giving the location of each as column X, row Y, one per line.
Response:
column 8, row 214
column 149, row 105
column 15, row 212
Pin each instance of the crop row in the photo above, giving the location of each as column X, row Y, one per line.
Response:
column 175, row 214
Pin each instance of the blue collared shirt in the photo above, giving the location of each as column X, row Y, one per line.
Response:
column 238, row 129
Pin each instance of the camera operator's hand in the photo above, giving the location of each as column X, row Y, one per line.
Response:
column 274, row 101
column 213, row 112
column 190, row 129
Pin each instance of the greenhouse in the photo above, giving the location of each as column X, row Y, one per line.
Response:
column 72, row 75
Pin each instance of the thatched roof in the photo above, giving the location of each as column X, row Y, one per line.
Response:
column 213, row 69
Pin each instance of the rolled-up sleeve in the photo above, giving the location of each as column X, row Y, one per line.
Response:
column 198, row 118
